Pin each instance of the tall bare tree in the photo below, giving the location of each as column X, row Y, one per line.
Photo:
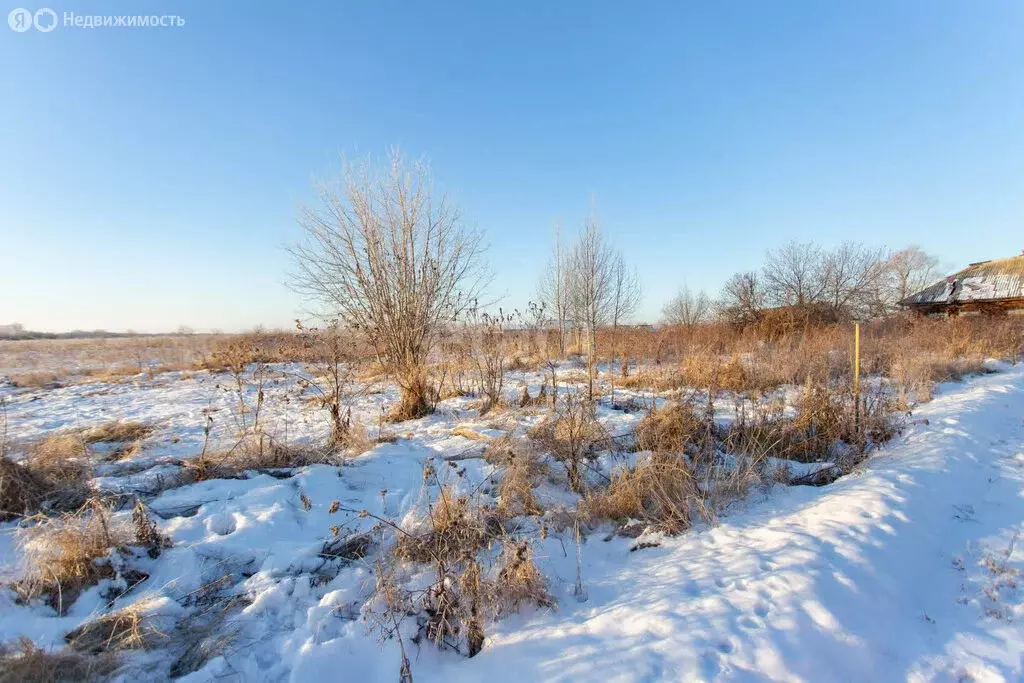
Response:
column 794, row 274
column 592, row 287
column 909, row 271
column 742, row 299
column 393, row 262
column 626, row 293
column 554, row 290
column 850, row 275
column 687, row 308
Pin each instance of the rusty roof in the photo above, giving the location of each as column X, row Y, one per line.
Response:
column 983, row 281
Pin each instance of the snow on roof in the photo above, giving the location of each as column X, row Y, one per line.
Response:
column 982, row 281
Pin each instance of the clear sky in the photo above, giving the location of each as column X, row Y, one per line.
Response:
column 150, row 176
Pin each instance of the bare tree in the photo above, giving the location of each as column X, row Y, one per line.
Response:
column 592, row 287
column 686, row 308
column 908, row 271
column 742, row 299
column 554, row 291
column 850, row 275
column 626, row 292
column 392, row 262
column 794, row 274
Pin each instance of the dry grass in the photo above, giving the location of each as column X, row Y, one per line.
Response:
column 519, row 580
column 669, row 429
column 131, row 628
column 64, row 555
column 914, row 352
column 660, row 491
column 24, row 662
column 53, row 475
column 454, row 527
column 467, row 433
column 39, row 379
column 260, row 453
column 572, row 435
column 118, row 432
column 521, row 471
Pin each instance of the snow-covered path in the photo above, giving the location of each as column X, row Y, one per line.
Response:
column 886, row 575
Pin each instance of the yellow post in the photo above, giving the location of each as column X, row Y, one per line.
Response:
column 856, row 377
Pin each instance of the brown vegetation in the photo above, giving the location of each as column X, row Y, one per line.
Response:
column 24, row 662
column 660, row 491
column 63, row 555
column 54, row 474
column 129, row 628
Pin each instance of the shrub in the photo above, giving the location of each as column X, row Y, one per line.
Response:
column 521, row 470
column 572, row 435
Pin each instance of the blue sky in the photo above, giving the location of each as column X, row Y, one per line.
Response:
column 149, row 177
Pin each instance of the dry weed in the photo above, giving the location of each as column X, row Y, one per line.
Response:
column 660, row 491
column 519, row 580
column 131, row 628
column 53, row 475
column 118, row 432
column 24, row 662
column 64, row 555
column 455, row 526
column 572, row 435
column 669, row 429
column 520, row 473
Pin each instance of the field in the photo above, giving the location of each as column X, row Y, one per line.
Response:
column 699, row 502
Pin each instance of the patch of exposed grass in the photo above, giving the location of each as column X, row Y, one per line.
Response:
column 64, row 555
column 118, row 432
column 130, row 628
column 660, row 491
column 53, row 475
column 669, row 429
column 24, row 662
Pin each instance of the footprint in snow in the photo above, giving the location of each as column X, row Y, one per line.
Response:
column 710, row 667
column 221, row 524
column 749, row 623
column 761, row 609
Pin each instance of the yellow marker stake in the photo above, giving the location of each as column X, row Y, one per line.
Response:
column 856, row 376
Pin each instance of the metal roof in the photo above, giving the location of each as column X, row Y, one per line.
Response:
column 983, row 281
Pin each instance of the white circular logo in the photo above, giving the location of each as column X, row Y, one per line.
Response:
column 20, row 20
column 46, row 20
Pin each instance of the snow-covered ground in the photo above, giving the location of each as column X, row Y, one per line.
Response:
column 904, row 570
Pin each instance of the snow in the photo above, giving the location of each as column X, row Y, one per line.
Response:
column 903, row 570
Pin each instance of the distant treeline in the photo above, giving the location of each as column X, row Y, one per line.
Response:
column 17, row 332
